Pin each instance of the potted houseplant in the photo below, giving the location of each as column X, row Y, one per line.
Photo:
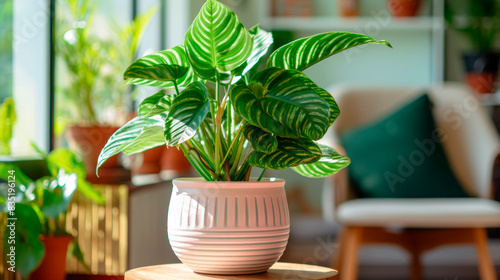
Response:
column 91, row 86
column 226, row 123
column 479, row 22
column 37, row 209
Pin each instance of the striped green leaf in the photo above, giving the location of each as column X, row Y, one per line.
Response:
column 186, row 114
column 262, row 141
column 262, row 40
column 305, row 52
column 161, row 69
column 290, row 152
column 330, row 163
column 283, row 102
column 217, row 41
column 155, row 104
column 140, row 134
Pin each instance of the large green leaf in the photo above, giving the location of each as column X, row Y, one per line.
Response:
column 262, row 40
column 217, row 41
column 262, row 141
column 7, row 120
column 188, row 111
column 305, row 52
column 63, row 158
column 290, row 152
column 330, row 163
column 9, row 171
column 155, row 104
column 57, row 194
column 29, row 249
column 283, row 102
column 161, row 69
column 137, row 133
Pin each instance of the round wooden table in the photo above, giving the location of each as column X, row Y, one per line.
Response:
column 281, row 271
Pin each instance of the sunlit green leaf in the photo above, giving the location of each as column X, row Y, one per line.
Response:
column 135, row 133
column 283, row 102
column 262, row 141
column 161, row 69
column 189, row 109
column 217, row 41
column 303, row 53
column 330, row 163
column 262, row 40
column 155, row 104
column 290, row 152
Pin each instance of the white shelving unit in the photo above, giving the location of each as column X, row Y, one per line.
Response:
column 417, row 58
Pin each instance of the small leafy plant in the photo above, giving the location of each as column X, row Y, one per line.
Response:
column 7, row 120
column 478, row 21
column 40, row 206
column 226, row 122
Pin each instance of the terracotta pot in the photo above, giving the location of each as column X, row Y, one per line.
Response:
column 89, row 141
column 403, row 8
column 53, row 266
column 173, row 159
column 148, row 162
column 348, row 8
column 482, row 71
column 228, row 228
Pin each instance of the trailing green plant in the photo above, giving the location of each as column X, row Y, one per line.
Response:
column 94, row 64
column 7, row 120
column 225, row 121
column 478, row 21
column 40, row 206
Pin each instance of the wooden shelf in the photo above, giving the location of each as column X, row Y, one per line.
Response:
column 360, row 24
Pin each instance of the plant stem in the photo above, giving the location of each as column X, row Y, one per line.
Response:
column 196, row 163
column 217, row 128
column 261, row 174
column 176, row 87
column 230, row 147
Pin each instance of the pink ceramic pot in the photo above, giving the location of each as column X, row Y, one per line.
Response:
column 228, row 228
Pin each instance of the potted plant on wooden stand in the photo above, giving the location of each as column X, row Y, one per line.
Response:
column 226, row 123
column 92, row 88
column 37, row 214
column 479, row 22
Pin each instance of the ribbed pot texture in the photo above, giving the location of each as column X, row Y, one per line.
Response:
column 228, row 228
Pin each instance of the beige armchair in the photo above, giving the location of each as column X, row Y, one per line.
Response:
column 472, row 147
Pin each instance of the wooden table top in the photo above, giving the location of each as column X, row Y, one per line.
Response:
column 279, row 271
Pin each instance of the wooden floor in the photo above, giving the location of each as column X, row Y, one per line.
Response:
column 448, row 263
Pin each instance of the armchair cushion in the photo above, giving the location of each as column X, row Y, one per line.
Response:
column 401, row 156
column 421, row 212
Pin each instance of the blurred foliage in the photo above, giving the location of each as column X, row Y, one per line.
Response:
column 478, row 20
column 90, row 81
column 6, row 25
column 40, row 205
column 7, row 120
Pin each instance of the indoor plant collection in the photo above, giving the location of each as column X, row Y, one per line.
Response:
column 91, row 97
column 226, row 122
column 39, row 207
column 479, row 22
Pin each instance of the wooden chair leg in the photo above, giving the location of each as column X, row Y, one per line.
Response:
column 416, row 265
column 350, row 251
column 486, row 267
column 337, row 256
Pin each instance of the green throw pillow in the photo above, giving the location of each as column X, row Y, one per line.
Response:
column 401, row 156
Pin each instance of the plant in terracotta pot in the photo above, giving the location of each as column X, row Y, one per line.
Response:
column 35, row 232
column 479, row 22
column 226, row 123
column 91, row 96
column 404, row 8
